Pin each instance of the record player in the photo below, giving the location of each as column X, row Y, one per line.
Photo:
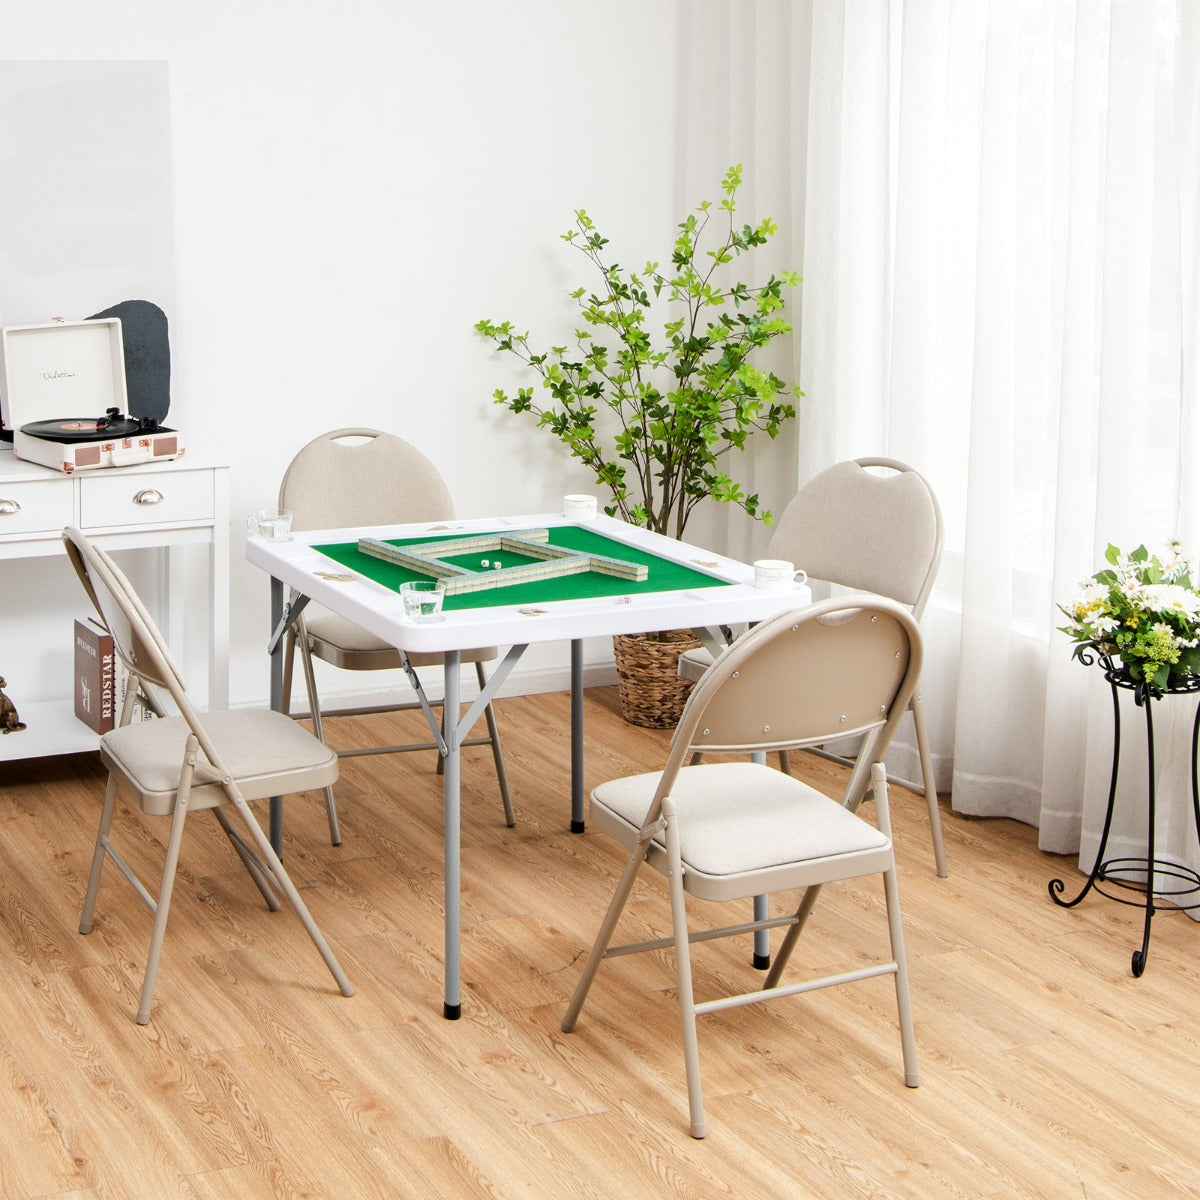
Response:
column 65, row 394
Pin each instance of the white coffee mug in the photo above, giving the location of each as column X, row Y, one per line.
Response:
column 579, row 507
column 777, row 575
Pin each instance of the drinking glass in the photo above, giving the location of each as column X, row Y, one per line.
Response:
column 422, row 599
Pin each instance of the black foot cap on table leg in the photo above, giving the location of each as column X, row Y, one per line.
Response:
column 1139, row 964
column 451, row 1011
column 761, row 962
column 576, row 826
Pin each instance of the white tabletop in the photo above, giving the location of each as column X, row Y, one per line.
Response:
column 379, row 610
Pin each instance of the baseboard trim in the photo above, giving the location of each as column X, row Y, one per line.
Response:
column 531, row 682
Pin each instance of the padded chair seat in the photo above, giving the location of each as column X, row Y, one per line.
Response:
column 266, row 752
column 738, row 817
column 344, row 644
column 693, row 663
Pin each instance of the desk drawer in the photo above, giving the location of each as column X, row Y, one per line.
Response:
column 145, row 499
column 34, row 506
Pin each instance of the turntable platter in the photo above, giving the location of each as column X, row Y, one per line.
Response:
column 113, row 424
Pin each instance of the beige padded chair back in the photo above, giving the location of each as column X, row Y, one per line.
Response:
column 136, row 639
column 762, row 695
column 339, row 480
column 845, row 666
column 868, row 532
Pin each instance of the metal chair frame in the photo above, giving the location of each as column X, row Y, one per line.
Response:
column 770, row 831
column 282, row 758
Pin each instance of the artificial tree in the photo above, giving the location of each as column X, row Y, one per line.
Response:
column 653, row 417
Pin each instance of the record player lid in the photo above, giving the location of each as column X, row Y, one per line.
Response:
column 147, row 351
column 69, row 366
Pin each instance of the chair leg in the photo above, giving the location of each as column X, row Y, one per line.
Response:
column 607, row 927
column 283, row 879
column 106, row 814
column 891, row 893
column 314, row 707
column 161, row 910
column 792, row 936
column 162, row 905
column 683, row 970
column 857, row 789
column 497, row 754
column 903, row 1000
column 252, row 865
column 930, row 784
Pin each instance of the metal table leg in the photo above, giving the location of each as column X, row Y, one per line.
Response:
column 281, row 621
column 450, row 734
column 762, row 937
column 452, row 834
column 275, row 649
column 576, row 735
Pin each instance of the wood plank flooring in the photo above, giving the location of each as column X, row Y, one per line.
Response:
column 1048, row 1071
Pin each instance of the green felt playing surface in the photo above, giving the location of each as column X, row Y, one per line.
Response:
column 663, row 575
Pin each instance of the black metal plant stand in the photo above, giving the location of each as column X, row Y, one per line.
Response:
column 1175, row 883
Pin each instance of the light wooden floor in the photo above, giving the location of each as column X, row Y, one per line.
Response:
column 1048, row 1071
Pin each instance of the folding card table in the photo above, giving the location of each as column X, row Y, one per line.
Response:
column 683, row 586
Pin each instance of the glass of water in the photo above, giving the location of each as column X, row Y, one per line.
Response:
column 271, row 524
column 275, row 526
column 422, row 599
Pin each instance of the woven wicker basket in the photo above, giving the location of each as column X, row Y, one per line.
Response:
column 651, row 693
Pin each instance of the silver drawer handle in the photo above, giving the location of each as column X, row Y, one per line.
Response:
column 9, row 508
column 148, row 496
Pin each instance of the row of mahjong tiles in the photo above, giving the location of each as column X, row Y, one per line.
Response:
column 549, row 562
column 564, row 563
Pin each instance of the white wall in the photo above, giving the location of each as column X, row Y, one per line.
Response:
column 354, row 186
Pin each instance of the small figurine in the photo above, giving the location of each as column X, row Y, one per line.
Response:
column 9, row 721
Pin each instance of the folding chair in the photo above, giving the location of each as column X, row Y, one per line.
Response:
column 856, row 528
column 729, row 830
column 358, row 478
column 177, row 764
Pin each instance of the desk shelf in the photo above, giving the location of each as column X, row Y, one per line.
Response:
column 52, row 728
column 152, row 506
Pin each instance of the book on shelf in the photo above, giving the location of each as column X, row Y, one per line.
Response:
column 101, row 679
column 95, row 676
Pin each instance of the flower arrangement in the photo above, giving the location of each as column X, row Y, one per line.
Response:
column 1143, row 609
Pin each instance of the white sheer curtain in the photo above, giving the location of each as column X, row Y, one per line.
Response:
column 1001, row 203
column 743, row 98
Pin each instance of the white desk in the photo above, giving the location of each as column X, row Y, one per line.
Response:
column 295, row 564
column 121, row 508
